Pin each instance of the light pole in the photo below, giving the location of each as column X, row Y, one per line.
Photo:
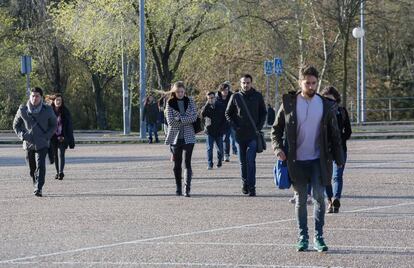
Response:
column 142, row 81
column 358, row 33
column 362, row 56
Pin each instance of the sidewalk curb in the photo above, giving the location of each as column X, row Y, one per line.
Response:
column 202, row 139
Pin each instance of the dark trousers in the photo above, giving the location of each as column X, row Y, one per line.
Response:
column 247, row 158
column 58, row 149
column 177, row 150
column 37, row 164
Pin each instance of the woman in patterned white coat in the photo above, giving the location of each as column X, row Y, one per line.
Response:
column 181, row 113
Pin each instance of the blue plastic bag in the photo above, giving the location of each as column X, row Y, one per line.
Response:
column 281, row 175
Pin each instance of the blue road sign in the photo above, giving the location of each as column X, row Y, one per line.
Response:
column 26, row 64
column 268, row 67
column 278, row 66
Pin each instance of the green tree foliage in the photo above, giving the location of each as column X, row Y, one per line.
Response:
column 11, row 82
column 77, row 46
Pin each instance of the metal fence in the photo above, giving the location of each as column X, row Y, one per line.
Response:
column 385, row 109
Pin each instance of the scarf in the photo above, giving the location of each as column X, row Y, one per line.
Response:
column 34, row 109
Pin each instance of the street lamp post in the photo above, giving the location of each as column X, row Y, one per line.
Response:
column 142, row 80
column 362, row 56
column 358, row 33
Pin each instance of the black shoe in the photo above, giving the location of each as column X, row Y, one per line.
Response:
column 219, row 164
column 245, row 189
column 61, row 175
column 38, row 193
column 336, row 205
column 57, row 176
column 179, row 193
column 157, row 141
column 187, row 191
column 252, row 192
column 187, row 194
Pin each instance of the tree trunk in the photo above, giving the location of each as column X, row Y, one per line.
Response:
column 56, row 79
column 100, row 109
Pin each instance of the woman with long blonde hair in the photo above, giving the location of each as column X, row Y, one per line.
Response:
column 181, row 113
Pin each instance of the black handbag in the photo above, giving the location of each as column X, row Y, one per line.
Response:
column 260, row 140
column 198, row 127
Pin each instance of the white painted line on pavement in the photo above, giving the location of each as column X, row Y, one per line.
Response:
column 143, row 240
column 274, row 245
column 179, row 264
column 377, row 208
column 386, row 162
column 294, row 228
column 179, row 235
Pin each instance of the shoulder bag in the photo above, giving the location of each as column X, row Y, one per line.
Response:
column 260, row 140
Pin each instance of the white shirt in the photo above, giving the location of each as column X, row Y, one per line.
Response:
column 309, row 115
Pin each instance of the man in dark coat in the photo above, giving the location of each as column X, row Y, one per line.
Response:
column 214, row 126
column 246, row 135
column 223, row 96
column 305, row 133
column 151, row 116
column 35, row 124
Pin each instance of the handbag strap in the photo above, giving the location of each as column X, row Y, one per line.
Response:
column 247, row 111
column 37, row 123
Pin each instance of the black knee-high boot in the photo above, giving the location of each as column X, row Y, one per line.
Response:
column 178, row 182
column 188, row 177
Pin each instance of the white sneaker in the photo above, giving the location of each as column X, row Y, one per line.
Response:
column 226, row 158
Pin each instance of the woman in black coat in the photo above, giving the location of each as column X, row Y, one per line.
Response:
column 63, row 137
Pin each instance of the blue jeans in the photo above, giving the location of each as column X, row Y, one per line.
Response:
column 210, row 145
column 247, row 159
column 313, row 168
column 337, row 181
column 152, row 128
column 229, row 137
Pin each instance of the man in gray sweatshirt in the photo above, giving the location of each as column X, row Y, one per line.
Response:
column 35, row 124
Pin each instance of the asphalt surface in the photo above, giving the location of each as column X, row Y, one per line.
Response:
column 378, row 130
column 116, row 208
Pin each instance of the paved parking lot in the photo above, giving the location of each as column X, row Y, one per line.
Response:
column 116, row 208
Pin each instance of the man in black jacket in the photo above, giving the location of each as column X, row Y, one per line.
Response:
column 223, row 96
column 213, row 114
column 245, row 133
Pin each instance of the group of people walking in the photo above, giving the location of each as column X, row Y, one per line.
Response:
column 309, row 133
column 45, row 128
column 222, row 114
